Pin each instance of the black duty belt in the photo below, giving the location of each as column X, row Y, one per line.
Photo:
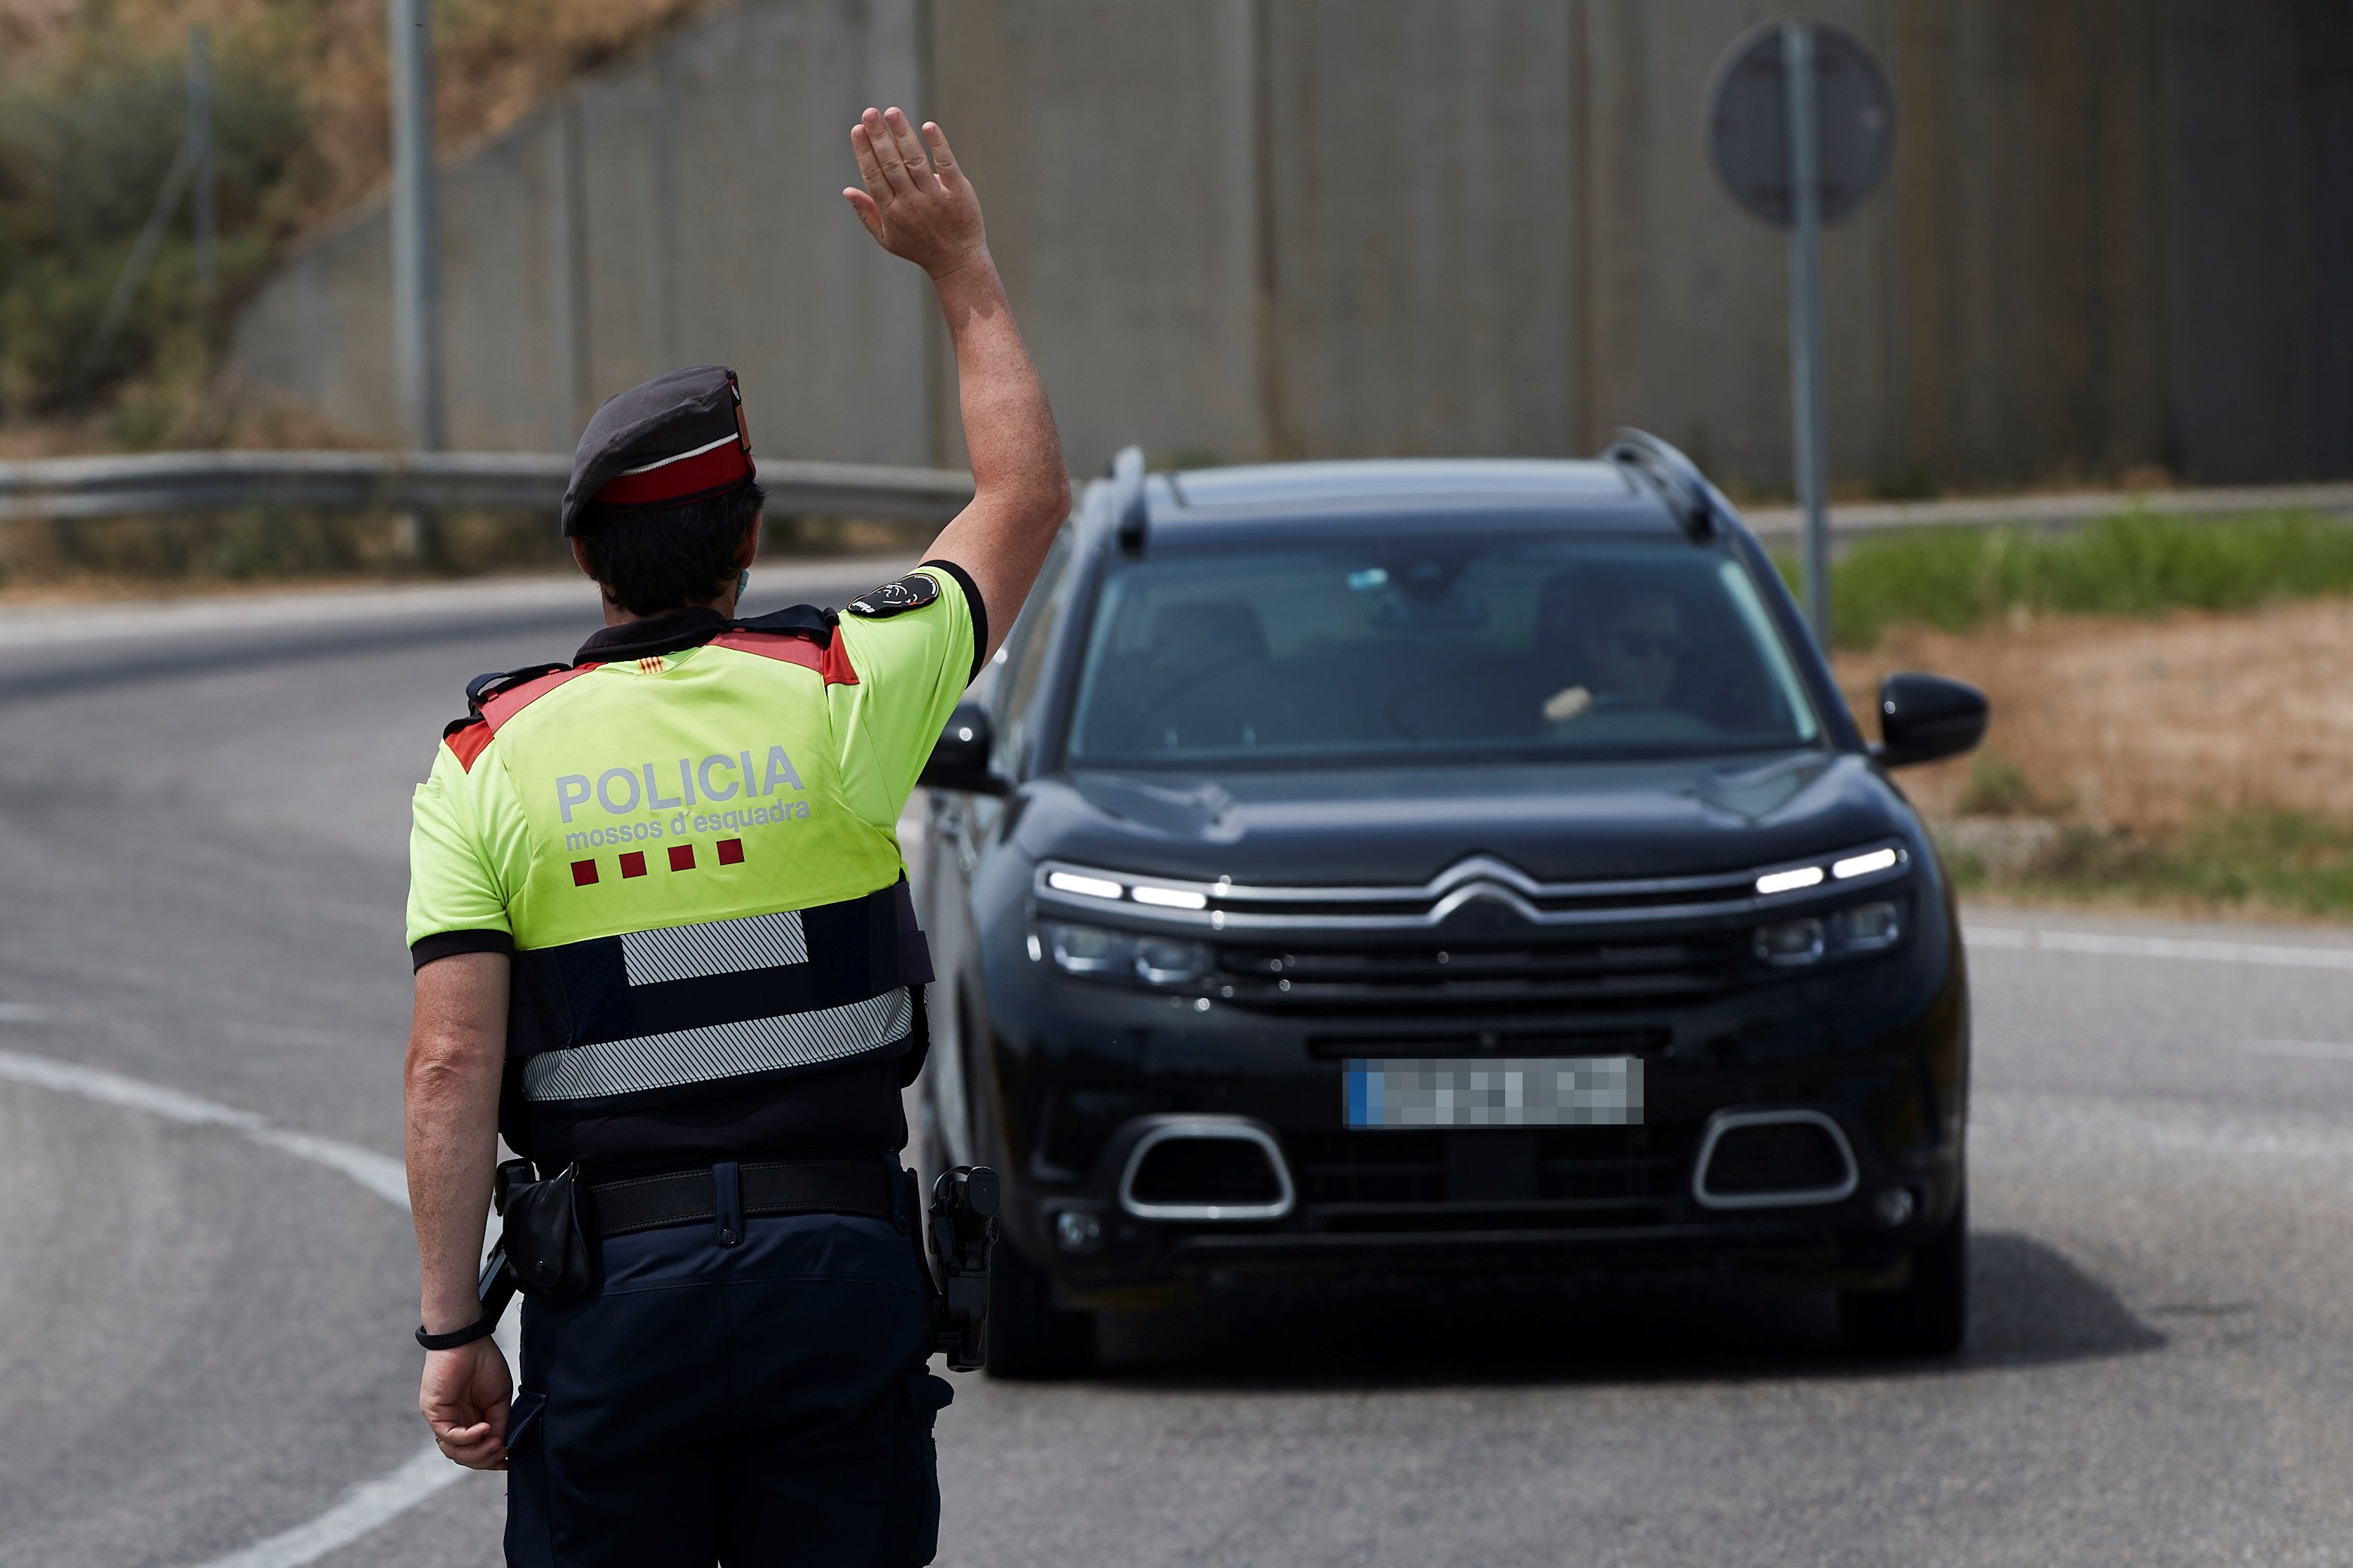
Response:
column 682, row 1197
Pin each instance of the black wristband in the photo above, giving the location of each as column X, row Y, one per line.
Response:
column 479, row 1329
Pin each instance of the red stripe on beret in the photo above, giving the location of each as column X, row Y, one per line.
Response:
column 680, row 479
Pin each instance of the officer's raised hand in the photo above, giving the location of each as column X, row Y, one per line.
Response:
column 918, row 205
column 919, row 208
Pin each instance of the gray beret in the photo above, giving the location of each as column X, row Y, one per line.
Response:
column 677, row 438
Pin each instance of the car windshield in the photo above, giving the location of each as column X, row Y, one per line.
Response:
column 1588, row 648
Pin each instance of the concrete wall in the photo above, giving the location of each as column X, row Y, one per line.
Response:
column 683, row 208
column 2116, row 232
column 1112, row 148
column 1421, row 232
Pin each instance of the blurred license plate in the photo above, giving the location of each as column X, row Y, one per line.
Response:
column 1531, row 1092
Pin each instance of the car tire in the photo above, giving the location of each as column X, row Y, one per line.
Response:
column 1029, row 1336
column 1924, row 1318
column 1929, row 1315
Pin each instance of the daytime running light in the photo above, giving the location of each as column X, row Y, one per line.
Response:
column 1169, row 897
column 1071, row 882
column 1862, row 864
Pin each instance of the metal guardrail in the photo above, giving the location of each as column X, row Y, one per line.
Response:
column 165, row 482
column 2058, row 510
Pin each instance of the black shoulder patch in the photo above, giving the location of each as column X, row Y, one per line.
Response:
column 911, row 592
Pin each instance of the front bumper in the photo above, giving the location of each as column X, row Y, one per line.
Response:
column 1877, row 1048
column 1551, row 1199
column 1878, row 1051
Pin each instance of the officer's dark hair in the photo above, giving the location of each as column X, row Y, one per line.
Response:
column 649, row 562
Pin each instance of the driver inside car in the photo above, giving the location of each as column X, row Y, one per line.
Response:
column 1632, row 655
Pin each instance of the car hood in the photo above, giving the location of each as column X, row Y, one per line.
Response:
column 1556, row 822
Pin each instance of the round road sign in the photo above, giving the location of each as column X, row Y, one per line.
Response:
column 1748, row 137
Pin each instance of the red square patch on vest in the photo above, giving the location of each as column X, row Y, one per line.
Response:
column 584, row 873
column 633, row 863
column 681, row 857
column 730, row 852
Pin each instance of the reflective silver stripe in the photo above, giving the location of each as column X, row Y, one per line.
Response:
column 716, row 947
column 718, row 1050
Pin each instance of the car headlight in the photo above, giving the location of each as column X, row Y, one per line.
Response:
column 1789, row 943
column 1873, row 927
column 1105, row 955
column 1870, row 928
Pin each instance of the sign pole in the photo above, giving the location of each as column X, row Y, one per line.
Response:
column 416, row 229
column 415, row 257
column 1802, row 123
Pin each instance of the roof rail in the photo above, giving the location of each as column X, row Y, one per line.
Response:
column 1127, row 509
column 1675, row 477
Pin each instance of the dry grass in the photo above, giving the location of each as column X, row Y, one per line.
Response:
column 2140, row 724
column 494, row 59
column 92, row 91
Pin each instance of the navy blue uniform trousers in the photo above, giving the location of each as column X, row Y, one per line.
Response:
column 764, row 1403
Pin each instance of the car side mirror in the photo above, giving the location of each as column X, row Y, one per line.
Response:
column 960, row 761
column 1925, row 717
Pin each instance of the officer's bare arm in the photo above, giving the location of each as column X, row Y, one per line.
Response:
column 926, row 212
column 457, row 1048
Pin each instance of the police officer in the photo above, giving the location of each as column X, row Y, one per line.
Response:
column 663, row 944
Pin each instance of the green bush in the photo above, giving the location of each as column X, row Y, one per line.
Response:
column 2134, row 564
column 1996, row 786
column 2225, row 862
column 82, row 157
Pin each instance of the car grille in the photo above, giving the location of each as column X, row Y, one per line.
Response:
column 1583, row 1175
column 1455, row 978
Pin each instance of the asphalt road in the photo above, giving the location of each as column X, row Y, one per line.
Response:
column 207, row 1275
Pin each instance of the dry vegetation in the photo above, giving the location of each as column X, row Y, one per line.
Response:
column 2200, row 763
column 2114, row 721
column 91, row 109
column 495, row 59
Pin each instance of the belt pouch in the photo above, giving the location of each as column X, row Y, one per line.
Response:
column 547, row 1247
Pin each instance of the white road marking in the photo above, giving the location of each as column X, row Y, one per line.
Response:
column 2004, row 1121
column 2194, row 949
column 2302, row 1050
column 363, row 1508
column 371, row 1503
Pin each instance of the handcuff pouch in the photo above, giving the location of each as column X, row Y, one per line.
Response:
column 547, row 1244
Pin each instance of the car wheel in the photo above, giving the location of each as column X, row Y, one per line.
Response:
column 1029, row 1336
column 1927, row 1316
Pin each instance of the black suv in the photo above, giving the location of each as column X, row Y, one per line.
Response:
column 1405, row 866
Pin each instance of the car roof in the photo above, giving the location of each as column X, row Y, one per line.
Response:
column 1202, row 503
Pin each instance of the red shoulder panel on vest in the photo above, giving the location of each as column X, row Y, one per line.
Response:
column 470, row 738
column 467, row 740
column 514, row 699
column 832, row 661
